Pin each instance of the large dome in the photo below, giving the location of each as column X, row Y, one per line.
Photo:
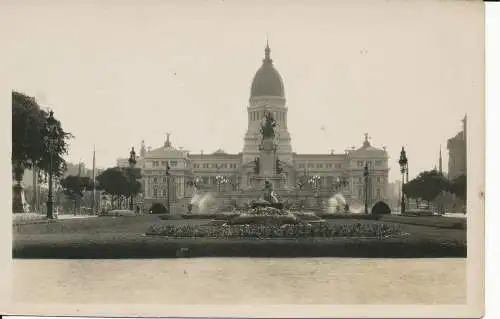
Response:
column 267, row 81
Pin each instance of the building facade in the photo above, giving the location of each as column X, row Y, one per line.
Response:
column 310, row 178
column 457, row 153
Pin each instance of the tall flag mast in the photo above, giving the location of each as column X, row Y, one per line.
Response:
column 93, row 180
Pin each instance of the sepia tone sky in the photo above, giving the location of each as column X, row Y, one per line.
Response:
column 118, row 72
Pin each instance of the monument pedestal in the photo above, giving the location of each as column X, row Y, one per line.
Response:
column 18, row 200
column 258, row 182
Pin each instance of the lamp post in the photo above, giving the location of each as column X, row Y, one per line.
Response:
column 167, row 174
column 315, row 182
column 339, row 183
column 50, row 141
column 196, row 182
column 219, row 180
column 366, row 173
column 403, row 163
column 131, row 162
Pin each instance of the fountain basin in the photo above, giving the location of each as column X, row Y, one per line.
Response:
column 264, row 220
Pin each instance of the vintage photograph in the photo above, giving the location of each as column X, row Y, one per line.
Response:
column 244, row 153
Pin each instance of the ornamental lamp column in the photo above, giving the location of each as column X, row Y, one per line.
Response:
column 403, row 163
column 366, row 173
column 167, row 174
column 131, row 162
column 50, row 141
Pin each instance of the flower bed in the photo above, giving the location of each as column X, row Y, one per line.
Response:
column 348, row 216
column 28, row 218
column 273, row 231
column 267, row 211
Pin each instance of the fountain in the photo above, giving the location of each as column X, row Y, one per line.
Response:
column 268, row 210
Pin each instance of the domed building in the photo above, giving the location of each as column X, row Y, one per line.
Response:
column 310, row 179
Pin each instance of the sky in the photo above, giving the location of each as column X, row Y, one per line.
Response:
column 116, row 73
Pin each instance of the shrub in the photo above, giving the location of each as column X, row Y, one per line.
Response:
column 158, row 208
column 381, row 208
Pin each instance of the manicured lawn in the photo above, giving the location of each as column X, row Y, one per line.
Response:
column 122, row 237
column 432, row 221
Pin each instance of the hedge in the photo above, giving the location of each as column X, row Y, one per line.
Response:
column 165, row 248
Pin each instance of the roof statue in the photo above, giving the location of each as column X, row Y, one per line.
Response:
column 167, row 141
column 366, row 142
column 267, row 128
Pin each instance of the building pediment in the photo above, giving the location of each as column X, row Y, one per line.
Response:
column 166, row 152
column 369, row 152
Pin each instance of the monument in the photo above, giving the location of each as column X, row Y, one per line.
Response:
column 267, row 173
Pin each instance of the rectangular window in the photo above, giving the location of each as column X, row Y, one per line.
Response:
column 205, row 180
column 310, row 165
column 164, row 192
column 155, row 163
column 301, row 165
column 164, row 179
column 378, row 163
column 155, row 192
column 378, row 193
column 319, row 165
column 378, row 179
column 205, row 165
column 163, row 163
column 338, row 165
column 173, row 163
column 155, row 180
column 330, row 165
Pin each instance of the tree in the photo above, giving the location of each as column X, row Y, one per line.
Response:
column 427, row 185
column 459, row 186
column 29, row 133
column 74, row 186
column 118, row 182
column 29, row 141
